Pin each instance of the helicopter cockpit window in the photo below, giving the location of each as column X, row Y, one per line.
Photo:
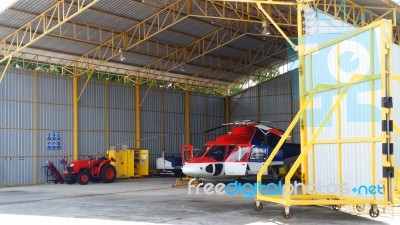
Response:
column 238, row 155
column 201, row 152
column 272, row 139
column 230, row 149
column 258, row 137
column 217, row 152
column 258, row 153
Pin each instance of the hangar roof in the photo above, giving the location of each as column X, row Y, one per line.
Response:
column 189, row 43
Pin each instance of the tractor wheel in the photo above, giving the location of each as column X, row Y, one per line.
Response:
column 108, row 173
column 70, row 181
column 83, row 178
column 94, row 179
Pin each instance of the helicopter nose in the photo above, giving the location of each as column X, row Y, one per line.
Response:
column 192, row 170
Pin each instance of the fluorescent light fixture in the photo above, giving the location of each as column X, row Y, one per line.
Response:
column 183, row 67
column 121, row 55
column 5, row 4
column 265, row 30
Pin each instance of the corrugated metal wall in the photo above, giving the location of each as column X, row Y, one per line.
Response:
column 24, row 125
column 206, row 112
column 104, row 108
column 275, row 100
column 121, row 101
column 152, row 123
column 92, row 118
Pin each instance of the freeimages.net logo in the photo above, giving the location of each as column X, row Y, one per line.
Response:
column 250, row 189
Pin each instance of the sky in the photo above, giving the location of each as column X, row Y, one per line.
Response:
column 5, row 3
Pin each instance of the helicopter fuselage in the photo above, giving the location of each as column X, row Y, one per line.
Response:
column 241, row 153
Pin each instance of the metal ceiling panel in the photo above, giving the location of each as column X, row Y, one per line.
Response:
column 128, row 9
column 14, row 19
column 36, row 7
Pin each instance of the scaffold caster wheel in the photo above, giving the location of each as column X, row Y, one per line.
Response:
column 374, row 212
column 287, row 213
column 259, row 207
column 174, row 185
column 336, row 207
column 360, row 208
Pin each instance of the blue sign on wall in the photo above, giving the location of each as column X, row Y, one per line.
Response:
column 54, row 141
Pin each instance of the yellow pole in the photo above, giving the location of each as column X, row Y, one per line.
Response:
column 107, row 114
column 35, row 134
column 187, row 118
column 137, row 116
column 162, row 120
column 227, row 116
column 302, row 88
column 5, row 69
column 388, row 69
column 75, row 116
column 372, row 100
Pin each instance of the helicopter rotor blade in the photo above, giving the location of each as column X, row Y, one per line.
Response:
column 273, row 121
column 215, row 128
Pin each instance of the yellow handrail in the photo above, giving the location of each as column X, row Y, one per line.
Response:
column 354, row 79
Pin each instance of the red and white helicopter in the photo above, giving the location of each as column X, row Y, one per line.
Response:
column 241, row 153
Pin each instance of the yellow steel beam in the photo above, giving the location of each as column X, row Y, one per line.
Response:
column 107, row 114
column 47, row 21
column 271, row 20
column 270, row 71
column 35, row 127
column 194, row 50
column 272, row 2
column 302, row 90
column 5, row 69
column 75, row 117
column 187, row 117
column 301, row 111
column 142, row 31
column 251, row 57
column 95, row 35
column 359, row 15
column 137, row 116
column 155, row 24
column 109, row 70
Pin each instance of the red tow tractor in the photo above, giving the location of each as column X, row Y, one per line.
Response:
column 89, row 169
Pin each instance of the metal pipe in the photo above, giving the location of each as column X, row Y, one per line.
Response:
column 107, row 114
column 302, row 88
column 75, row 116
column 137, row 115
column 187, row 118
column 35, row 132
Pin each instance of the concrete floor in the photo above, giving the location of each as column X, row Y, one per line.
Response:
column 154, row 201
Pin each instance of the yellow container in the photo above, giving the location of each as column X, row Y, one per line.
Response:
column 141, row 162
column 124, row 163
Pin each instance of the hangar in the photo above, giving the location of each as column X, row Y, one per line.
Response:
column 82, row 77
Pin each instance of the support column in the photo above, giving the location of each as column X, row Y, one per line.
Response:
column 162, row 119
column 363, row 23
column 187, row 118
column 35, row 132
column 107, row 114
column 227, row 114
column 302, row 88
column 137, row 116
column 75, row 116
